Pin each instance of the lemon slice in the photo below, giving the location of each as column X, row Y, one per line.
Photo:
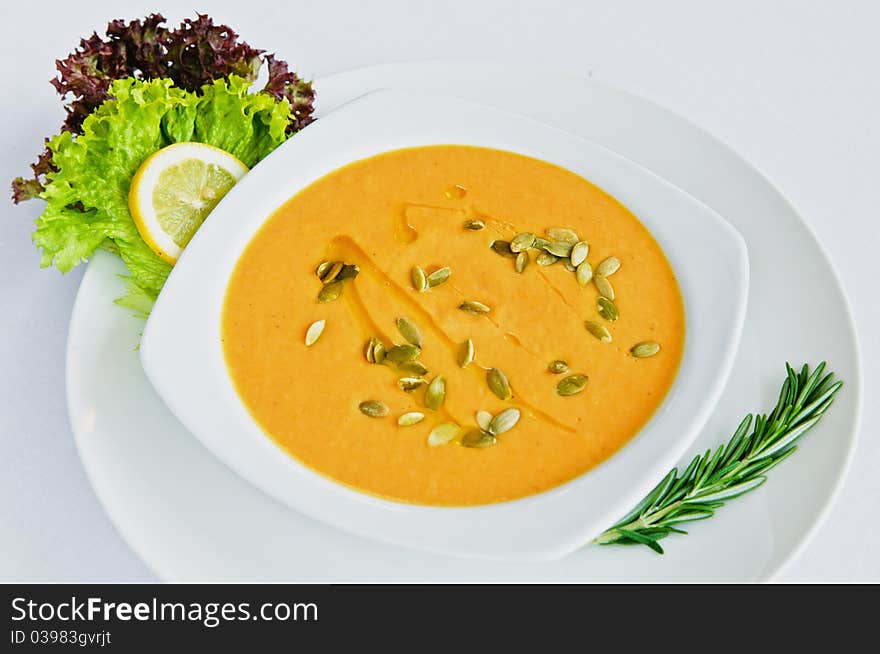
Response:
column 175, row 189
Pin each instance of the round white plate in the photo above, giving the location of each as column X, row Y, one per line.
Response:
column 192, row 519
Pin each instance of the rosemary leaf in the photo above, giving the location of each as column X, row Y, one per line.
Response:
column 709, row 480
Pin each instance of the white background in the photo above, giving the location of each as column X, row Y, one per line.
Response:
column 792, row 86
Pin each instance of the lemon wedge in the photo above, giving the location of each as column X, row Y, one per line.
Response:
column 175, row 189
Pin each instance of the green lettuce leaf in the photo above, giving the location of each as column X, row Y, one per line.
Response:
column 87, row 196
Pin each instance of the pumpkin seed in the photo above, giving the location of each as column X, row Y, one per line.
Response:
column 522, row 242
column 559, row 249
column 466, row 353
column 313, row 333
column 568, row 265
column 599, row 331
column 439, row 276
column 332, row 272
column 330, row 292
column 379, row 352
column 571, row 385
column 540, row 243
column 558, row 367
column 401, row 353
column 645, row 349
column 522, row 260
column 474, row 307
column 603, row 286
column 477, row 438
column 474, row 225
column 374, row 408
column 498, row 384
column 411, row 418
column 483, row 420
column 409, row 331
column 503, row 248
column 584, row 273
column 562, row 234
column 607, row 308
column 443, row 433
column 409, row 384
column 415, row 367
column 608, row 267
column 349, row 271
column 544, row 258
column 504, row 421
column 579, row 253
column 322, row 269
column 419, row 280
column 436, row 393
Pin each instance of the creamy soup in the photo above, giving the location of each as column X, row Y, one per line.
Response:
column 583, row 348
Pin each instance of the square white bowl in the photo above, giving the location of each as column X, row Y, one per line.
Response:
column 182, row 354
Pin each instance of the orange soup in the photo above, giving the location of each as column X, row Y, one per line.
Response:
column 493, row 325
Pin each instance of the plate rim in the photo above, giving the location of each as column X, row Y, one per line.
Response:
column 855, row 384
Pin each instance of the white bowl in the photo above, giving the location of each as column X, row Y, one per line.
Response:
column 183, row 357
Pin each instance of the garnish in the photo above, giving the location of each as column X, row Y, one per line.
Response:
column 558, row 367
column 644, row 349
column 477, row 438
column 435, row 394
column 599, row 331
column 465, row 353
column 733, row 469
column 443, row 433
column 503, row 422
column 409, row 331
column 474, row 307
column 571, row 385
column 411, row 418
column 498, row 384
column 374, row 408
column 333, row 274
column 313, row 333
column 191, row 56
column 607, row 309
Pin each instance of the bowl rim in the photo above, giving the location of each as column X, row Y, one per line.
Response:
column 406, row 119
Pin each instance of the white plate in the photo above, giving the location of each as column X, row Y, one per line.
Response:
column 182, row 353
column 190, row 518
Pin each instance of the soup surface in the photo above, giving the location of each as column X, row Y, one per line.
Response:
column 334, row 405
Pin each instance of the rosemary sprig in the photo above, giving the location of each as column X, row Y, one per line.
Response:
column 731, row 470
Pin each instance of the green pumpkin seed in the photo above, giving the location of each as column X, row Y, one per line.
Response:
column 522, row 260
column 579, row 253
column 332, row 272
column 474, row 307
column 330, row 292
column 645, row 349
column 522, row 242
column 474, row 225
column 379, row 352
column 443, row 433
column 608, row 267
column 607, row 308
column 477, row 438
column 401, row 353
column 498, row 384
column 568, row 265
column 603, row 286
column 322, row 269
column 599, row 331
column 435, row 396
column 419, row 280
column 559, row 249
column 409, row 384
column 503, row 248
column 504, row 421
column 439, row 276
column 545, row 259
column 466, row 353
column 540, row 243
column 411, row 418
column 562, row 234
column 313, row 333
column 584, row 273
column 349, row 271
column 483, row 420
column 409, row 331
column 374, row 408
column 571, row 385
column 558, row 367
column 415, row 367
